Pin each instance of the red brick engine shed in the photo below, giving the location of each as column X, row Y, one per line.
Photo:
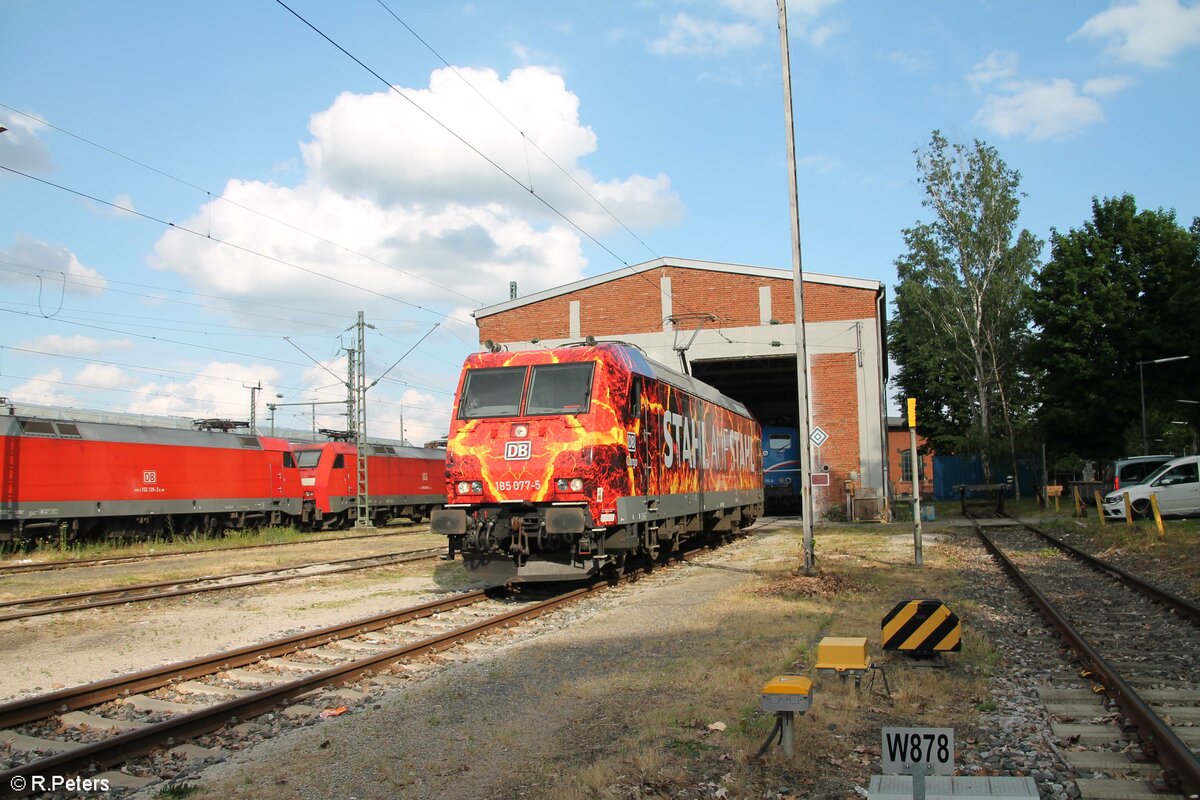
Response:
column 736, row 325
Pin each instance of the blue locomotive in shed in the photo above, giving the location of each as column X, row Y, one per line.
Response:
column 781, row 469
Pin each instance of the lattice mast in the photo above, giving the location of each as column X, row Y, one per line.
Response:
column 358, row 420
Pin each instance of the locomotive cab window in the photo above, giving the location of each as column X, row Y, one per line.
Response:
column 339, row 462
column 492, row 393
column 779, row 441
column 288, row 461
column 560, row 389
column 308, row 458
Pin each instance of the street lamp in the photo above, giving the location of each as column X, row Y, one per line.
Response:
column 1142, row 386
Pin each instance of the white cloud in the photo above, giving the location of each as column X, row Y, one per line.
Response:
column 1107, row 86
column 763, row 11
column 20, row 147
column 123, row 201
column 42, row 389
column 104, row 376
column 216, row 391
column 819, row 164
column 908, row 60
column 818, row 35
column 384, row 180
column 689, row 36
column 35, row 258
column 999, row 66
column 77, row 345
column 1146, row 32
column 1050, row 110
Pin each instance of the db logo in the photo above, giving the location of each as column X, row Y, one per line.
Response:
column 517, row 451
column 150, row 476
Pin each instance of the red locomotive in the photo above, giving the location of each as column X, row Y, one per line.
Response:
column 401, row 481
column 563, row 463
column 93, row 479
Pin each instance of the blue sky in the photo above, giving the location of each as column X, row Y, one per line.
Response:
column 302, row 191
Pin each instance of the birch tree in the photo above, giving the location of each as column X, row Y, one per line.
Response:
column 962, row 298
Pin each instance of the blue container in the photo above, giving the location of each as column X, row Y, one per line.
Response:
column 928, row 512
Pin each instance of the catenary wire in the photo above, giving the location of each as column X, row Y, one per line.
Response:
column 233, row 245
column 517, row 128
column 453, row 133
column 474, row 149
column 224, row 199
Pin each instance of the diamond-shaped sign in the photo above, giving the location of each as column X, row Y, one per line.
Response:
column 818, row 436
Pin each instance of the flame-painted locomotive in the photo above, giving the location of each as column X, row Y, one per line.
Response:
column 563, row 463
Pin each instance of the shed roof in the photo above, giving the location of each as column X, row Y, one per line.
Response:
column 679, row 263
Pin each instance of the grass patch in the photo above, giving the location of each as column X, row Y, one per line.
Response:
column 77, row 551
column 692, row 696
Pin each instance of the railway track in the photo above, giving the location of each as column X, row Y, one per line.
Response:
column 1138, row 644
column 16, row 568
column 133, row 715
column 133, row 719
column 24, row 608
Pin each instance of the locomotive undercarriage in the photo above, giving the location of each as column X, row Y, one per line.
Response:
column 503, row 544
column 144, row 526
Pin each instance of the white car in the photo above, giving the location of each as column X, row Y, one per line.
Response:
column 1176, row 484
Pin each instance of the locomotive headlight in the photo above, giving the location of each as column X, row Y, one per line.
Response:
column 477, row 487
column 520, row 431
column 463, row 487
column 576, row 484
column 561, row 484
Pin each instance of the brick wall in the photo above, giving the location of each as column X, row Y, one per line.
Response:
column 835, row 410
column 898, row 441
column 633, row 304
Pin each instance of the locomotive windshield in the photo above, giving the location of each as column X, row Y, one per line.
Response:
column 308, row 458
column 492, row 392
column 560, row 389
column 779, row 441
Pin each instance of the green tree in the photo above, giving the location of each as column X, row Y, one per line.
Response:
column 961, row 322
column 1123, row 288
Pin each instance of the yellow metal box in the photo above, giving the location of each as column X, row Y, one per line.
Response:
column 787, row 693
column 843, row 653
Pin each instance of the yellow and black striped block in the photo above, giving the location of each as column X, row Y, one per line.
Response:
column 921, row 627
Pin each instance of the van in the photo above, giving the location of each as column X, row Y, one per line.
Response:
column 1131, row 470
column 1175, row 485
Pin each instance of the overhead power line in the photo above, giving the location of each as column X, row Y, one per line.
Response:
column 518, row 129
column 236, row 204
column 102, row 284
column 433, row 118
column 454, row 133
column 218, row 240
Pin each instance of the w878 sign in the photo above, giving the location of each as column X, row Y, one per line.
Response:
column 907, row 748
